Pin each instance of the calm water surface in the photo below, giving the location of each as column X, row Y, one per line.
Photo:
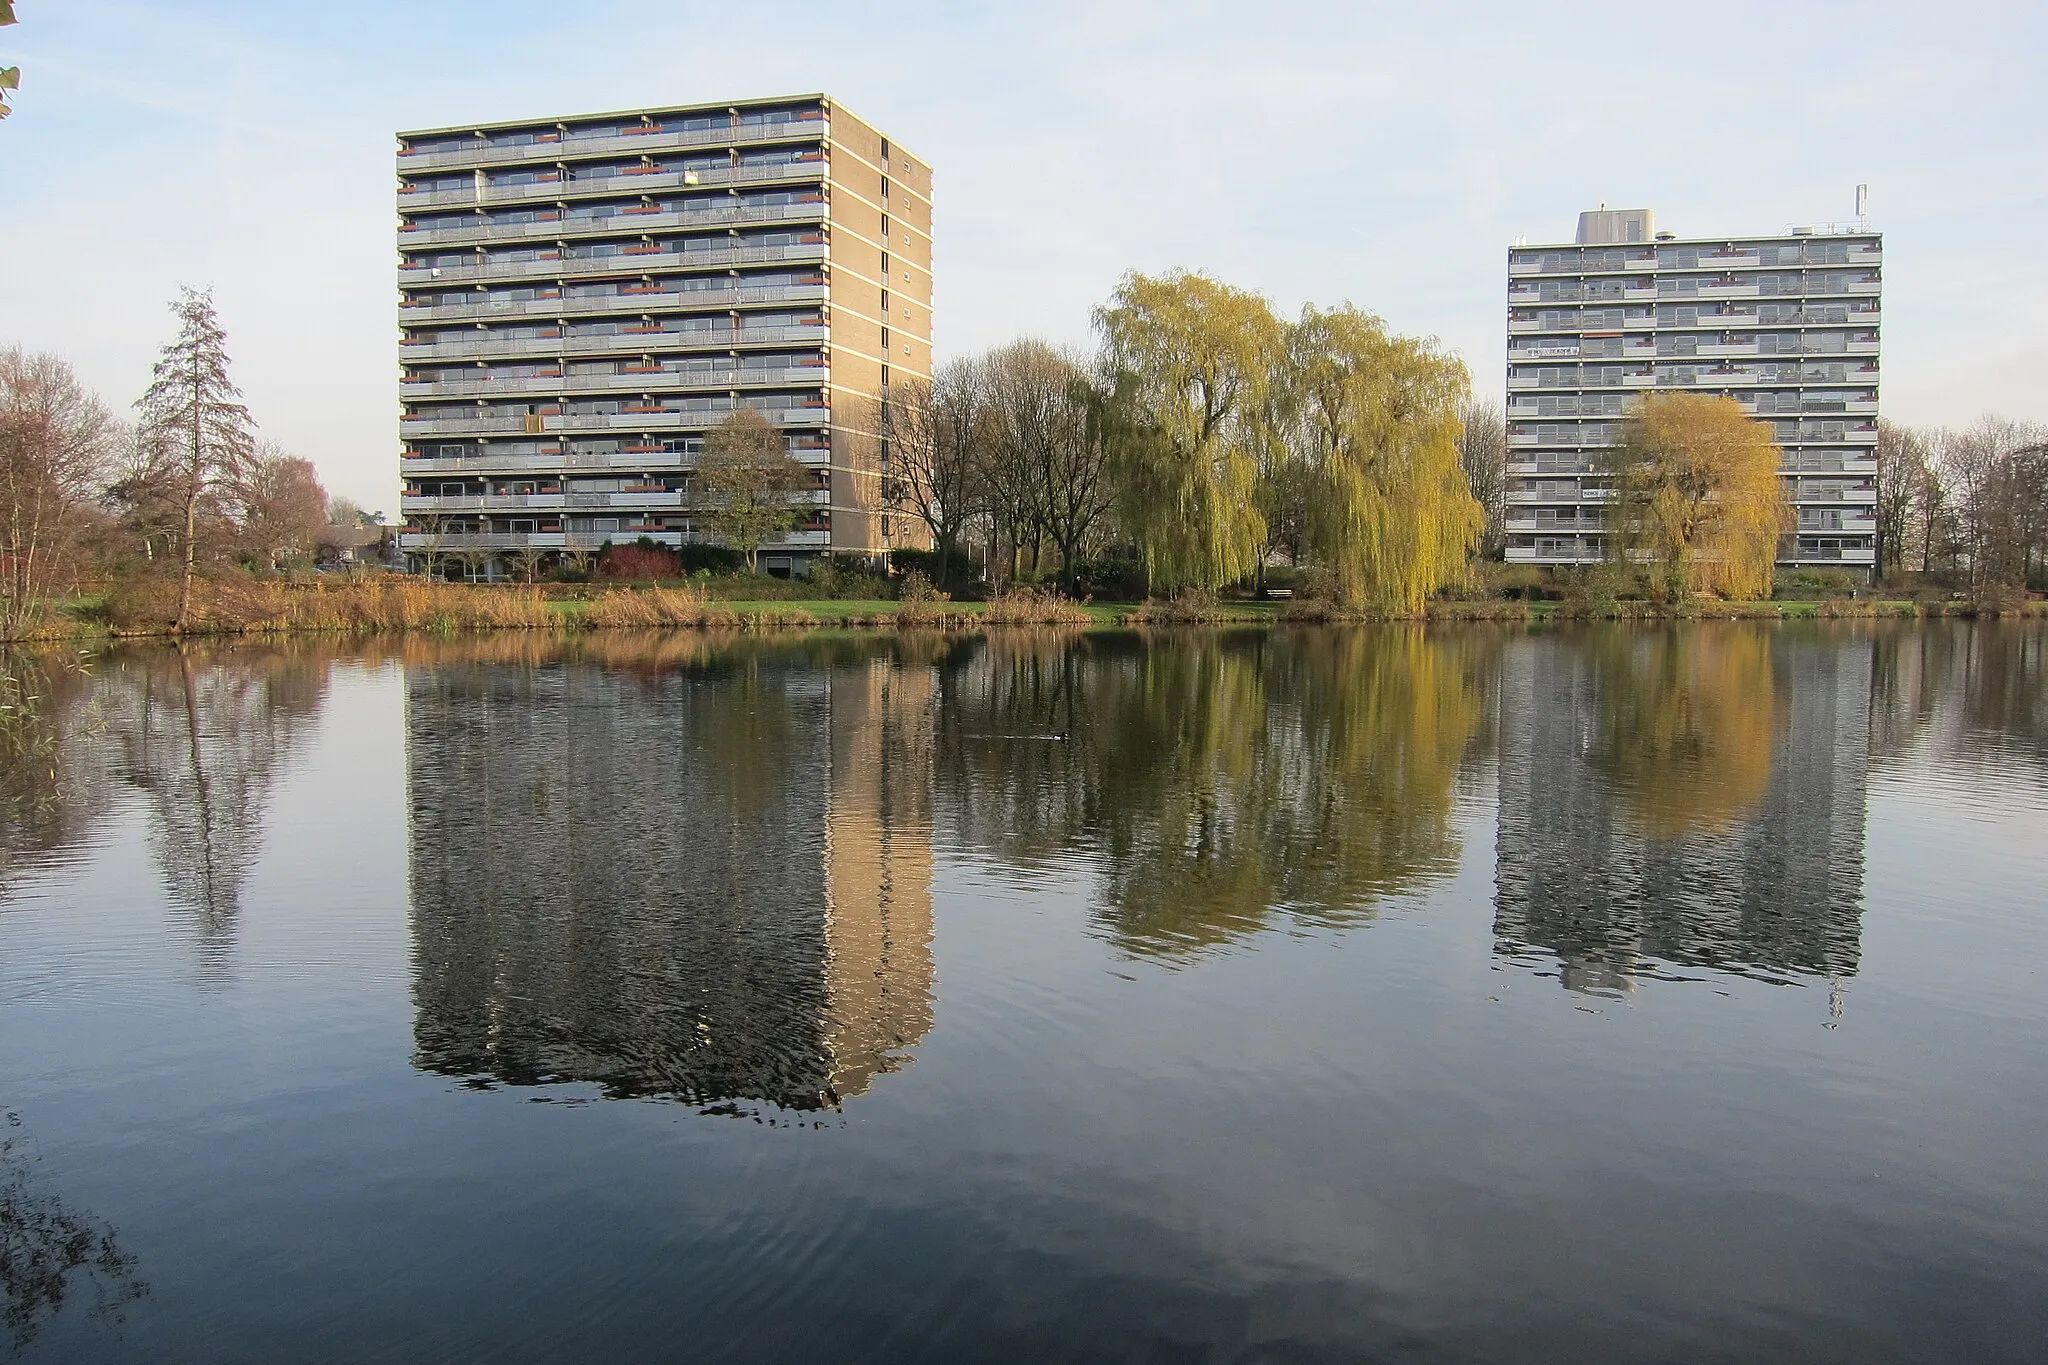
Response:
column 1452, row 996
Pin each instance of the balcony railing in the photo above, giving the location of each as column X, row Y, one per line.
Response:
column 665, row 301
column 654, row 140
column 605, row 187
column 667, row 420
column 648, row 343
column 648, row 381
column 617, row 224
column 571, row 267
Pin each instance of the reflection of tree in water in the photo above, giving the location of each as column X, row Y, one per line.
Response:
column 1690, row 796
column 204, row 734
column 1962, row 693
column 704, row 876
column 1689, row 721
column 1222, row 779
column 51, row 785
column 48, row 1248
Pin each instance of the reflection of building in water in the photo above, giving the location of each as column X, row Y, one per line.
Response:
column 1668, row 796
column 709, row 883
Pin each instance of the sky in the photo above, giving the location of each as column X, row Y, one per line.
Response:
column 1387, row 154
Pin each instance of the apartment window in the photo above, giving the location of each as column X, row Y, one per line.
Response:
column 885, row 300
column 885, row 149
column 885, row 341
column 885, row 189
column 885, row 265
column 885, row 227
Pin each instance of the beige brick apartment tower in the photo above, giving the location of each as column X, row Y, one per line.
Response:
column 581, row 299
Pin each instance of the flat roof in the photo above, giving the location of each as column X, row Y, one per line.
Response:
column 1798, row 234
column 707, row 106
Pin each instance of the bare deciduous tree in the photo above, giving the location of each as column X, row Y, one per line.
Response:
column 284, row 507
column 56, row 445
column 748, row 483
column 933, row 432
column 1483, row 451
column 1903, row 464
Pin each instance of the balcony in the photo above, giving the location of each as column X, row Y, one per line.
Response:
column 596, row 422
column 571, row 267
column 616, row 224
column 665, row 301
column 643, row 381
column 639, row 343
column 628, row 263
column 611, row 186
column 487, row 502
column 631, row 144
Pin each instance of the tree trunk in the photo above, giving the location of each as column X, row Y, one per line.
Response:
column 191, row 506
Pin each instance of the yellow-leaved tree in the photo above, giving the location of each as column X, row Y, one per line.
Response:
column 1697, row 498
column 1374, row 418
column 1191, row 360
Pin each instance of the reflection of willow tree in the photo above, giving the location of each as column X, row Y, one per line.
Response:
column 1225, row 779
column 50, row 786
column 1689, row 718
column 204, row 735
column 1693, row 795
column 47, row 1247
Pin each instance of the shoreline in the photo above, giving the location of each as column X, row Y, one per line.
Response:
column 665, row 609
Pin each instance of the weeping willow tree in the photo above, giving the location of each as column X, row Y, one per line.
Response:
column 1193, row 360
column 1697, row 498
column 1374, row 418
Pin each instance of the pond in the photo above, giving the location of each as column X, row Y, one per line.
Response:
column 1473, row 994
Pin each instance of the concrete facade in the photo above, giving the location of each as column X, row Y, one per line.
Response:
column 581, row 299
column 1785, row 324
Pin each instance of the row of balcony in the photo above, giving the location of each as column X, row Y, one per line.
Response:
column 1737, row 260
column 637, row 381
column 1863, row 407
column 623, row 180
column 808, row 129
column 654, row 500
column 455, row 543
column 1602, row 440
column 642, row 461
column 666, row 420
column 1638, row 348
column 655, row 300
column 645, row 342
column 632, row 262
column 632, row 222
column 1714, row 322
column 1527, row 296
column 612, row 186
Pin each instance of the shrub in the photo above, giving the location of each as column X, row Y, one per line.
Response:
column 643, row 560
column 710, row 559
column 1031, row 607
column 647, row 607
column 1189, row 607
column 960, row 569
column 1812, row 585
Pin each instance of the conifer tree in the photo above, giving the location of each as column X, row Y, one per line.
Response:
column 195, row 432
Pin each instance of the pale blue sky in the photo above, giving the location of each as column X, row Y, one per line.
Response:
column 1387, row 154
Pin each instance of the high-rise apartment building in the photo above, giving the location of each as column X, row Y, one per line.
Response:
column 581, row 299
column 1786, row 324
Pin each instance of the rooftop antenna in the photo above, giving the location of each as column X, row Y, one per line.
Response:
column 1863, row 206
